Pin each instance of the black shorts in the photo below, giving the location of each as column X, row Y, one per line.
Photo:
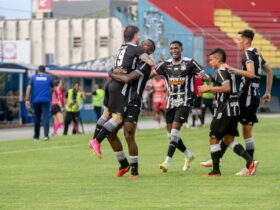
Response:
column 118, row 97
column 132, row 113
column 55, row 109
column 248, row 109
column 177, row 114
column 224, row 126
column 197, row 102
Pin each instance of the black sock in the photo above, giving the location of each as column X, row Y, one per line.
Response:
column 181, row 146
column 97, row 130
column 102, row 134
column 216, row 160
column 134, row 169
column 171, row 149
column 251, row 152
column 193, row 120
column 124, row 163
column 223, row 148
column 107, row 128
column 239, row 150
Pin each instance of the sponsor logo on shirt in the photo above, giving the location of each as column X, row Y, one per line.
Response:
column 41, row 78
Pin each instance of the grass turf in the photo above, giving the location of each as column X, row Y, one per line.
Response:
column 63, row 174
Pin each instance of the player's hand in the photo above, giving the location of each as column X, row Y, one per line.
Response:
column 228, row 67
column 266, row 98
column 118, row 70
column 27, row 104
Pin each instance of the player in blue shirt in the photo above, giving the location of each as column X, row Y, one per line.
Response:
column 40, row 87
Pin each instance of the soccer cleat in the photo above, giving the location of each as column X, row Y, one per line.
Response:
column 187, row 163
column 252, row 168
column 213, row 173
column 208, row 163
column 163, row 167
column 243, row 172
column 122, row 171
column 96, row 147
column 133, row 176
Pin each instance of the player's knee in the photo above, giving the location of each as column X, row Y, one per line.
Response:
column 129, row 136
column 117, row 118
column 213, row 140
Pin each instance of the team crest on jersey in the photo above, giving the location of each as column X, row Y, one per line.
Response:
column 183, row 67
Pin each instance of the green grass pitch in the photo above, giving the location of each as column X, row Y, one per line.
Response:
column 64, row 174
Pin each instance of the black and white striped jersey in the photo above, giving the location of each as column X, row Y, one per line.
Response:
column 228, row 104
column 180, row 79
column 127, row 58
column 138, row 86
column 251, row 86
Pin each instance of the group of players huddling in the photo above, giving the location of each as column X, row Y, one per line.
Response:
column 133, row 68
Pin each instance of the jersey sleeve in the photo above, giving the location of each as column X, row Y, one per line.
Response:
column 248, row 56
column 144, row 69
column 139, row 51
column 197, row 69
column 160, row 69
column 223, row 77
column 263, row 61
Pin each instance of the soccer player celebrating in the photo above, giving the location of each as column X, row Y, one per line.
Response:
column 138, row 80
column 179, row 72
column 249, row 98
column 116, row 94
column 225, row 120
column 159, row 97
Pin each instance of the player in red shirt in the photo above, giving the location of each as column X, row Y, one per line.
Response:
column 159, row 97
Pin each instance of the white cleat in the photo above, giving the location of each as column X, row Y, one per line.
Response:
column 208, row 163
column 244, row 171
column 187, row 163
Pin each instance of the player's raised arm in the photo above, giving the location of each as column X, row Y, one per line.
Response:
column 198, row 70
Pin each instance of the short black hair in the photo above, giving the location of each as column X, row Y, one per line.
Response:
column 41, row 68
column 76, row 83
column 129, row 32
column 153, row 44
column 220, row 52
column 247, row 33
column 57, row 82
column 176, row 42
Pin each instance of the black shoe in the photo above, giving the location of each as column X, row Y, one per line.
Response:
column 213, row 173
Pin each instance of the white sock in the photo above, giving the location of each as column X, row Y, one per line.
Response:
column 168, row 160
column 188, row 153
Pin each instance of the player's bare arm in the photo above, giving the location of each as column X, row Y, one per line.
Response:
column 126, row 78
column 269, row 79
column 225, row 88
column 250, row 73
column 146, row 58
column 27, row 101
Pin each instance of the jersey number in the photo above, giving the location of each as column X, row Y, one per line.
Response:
column 120, row 57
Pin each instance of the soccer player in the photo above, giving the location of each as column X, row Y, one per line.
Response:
column 225, row 121
column 117, row 92
column 138, row 80
column 196, row 108
column 159, row 97
column 179, row 72
column 249, row 98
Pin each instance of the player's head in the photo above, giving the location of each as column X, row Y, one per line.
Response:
column 77, row 86
column 217, row 57
column 131, row 34
column 158, row 78
column 176, row 49
column 41, row 69
column 149, row 46
column 244, row 39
